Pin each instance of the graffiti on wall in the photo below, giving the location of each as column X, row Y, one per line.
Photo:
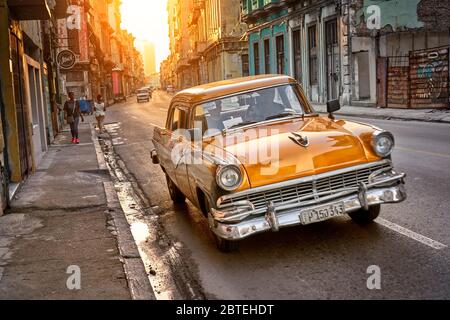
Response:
column 429, row 76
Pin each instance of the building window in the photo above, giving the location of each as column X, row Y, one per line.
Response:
column 256, row 55
column 255, row 4
column 280, row 54
column 267, row 56
column 245, row 66
column 297, row 55
column 312, row 47
column 73, row 40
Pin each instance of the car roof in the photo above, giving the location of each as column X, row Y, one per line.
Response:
column 215, row 90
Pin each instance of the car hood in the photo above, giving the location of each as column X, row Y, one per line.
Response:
column 269, row 153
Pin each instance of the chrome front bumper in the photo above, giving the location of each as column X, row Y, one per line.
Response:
column 388, row 189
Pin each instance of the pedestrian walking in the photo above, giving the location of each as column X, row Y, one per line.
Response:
column 72, row 115
column 100, row 112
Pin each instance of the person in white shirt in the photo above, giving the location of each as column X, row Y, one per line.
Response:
column 99, row 112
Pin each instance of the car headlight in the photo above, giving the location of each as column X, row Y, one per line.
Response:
column 229, row 178
column 383, row 143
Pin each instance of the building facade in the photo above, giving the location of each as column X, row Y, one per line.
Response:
column 35, row 77
column 305, row 39
column 206, row 43
column 107, row 61
column 392, row 53
column 28, row 88
column 400, row 53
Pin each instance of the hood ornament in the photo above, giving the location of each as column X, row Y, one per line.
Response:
column 302, row 141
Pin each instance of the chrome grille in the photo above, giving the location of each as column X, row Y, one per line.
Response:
column 333, row 183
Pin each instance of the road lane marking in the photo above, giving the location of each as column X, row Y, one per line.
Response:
column 411, row 234
column 425, row 152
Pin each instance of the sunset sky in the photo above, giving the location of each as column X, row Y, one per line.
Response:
column 147, row 20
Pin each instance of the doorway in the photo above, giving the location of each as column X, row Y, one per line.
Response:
column 37, row 110
column 332, row 58
column 297, row 54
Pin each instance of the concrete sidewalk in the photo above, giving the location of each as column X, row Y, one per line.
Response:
column 62, row 217
column 427, row 115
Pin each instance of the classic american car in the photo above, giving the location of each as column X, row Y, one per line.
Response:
column 253, row 156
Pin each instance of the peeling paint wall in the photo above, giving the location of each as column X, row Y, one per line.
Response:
column 400, row 15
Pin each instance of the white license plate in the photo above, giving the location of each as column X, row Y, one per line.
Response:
column 322, row 213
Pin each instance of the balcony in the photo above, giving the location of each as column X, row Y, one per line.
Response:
column 182, row 64
column 29, row 9
column 257, row 9
column 196, row 12
column 273, row 5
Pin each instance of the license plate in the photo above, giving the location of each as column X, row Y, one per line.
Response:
column 322, row 213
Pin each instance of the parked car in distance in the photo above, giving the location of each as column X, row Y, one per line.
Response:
column 120, row 98
column 253, row 156
column 170, row 89
column 143, row 95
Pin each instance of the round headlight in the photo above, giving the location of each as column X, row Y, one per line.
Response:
column 383, row 143
column 229, row 178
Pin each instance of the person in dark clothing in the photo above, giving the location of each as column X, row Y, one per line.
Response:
column 72, row 115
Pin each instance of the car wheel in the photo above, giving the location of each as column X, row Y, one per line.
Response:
column 222, row 245
column 365, row 216
column 175, row 194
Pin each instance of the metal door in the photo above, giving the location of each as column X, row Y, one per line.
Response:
column 332, row 56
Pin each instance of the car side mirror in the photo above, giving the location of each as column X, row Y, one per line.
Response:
column 333, row 106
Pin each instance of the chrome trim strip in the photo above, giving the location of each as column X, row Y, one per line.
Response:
column 301, row 180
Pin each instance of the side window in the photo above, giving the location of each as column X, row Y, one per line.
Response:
column 174, row 119
column 178, row 119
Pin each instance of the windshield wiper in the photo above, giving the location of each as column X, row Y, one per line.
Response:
column 284, row 115
column 246, row 123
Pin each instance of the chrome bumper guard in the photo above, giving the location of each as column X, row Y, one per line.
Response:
column 240, row 220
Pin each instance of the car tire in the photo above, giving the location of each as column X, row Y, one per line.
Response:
column 363, row 217
column 175, row 194
column 223, row 245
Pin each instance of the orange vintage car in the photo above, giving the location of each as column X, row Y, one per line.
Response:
column 253, row 156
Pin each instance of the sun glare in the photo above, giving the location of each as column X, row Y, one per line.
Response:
column 147, row 20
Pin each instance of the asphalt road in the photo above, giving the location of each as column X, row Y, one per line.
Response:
column 409, row 242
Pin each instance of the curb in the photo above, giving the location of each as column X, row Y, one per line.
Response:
column 137, row 278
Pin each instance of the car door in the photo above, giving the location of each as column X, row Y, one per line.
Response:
column 182, row 152
column 165, row 140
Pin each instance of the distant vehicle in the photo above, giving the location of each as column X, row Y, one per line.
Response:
column 143, row 94
column 170, row 89
column 120, row 97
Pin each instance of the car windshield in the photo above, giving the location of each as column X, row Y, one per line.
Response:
column 143, row 91
column 249, row 108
